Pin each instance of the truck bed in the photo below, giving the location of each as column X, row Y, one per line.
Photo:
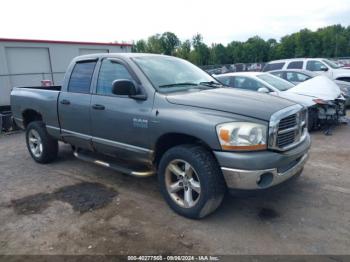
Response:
column 43, row 100
column 53, row 88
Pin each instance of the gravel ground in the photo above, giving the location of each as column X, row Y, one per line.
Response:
column 73, row 207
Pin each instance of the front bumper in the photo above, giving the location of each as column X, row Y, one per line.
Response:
column 260, row 170
column 260, row 179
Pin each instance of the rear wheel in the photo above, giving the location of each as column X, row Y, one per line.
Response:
column 41, row 146
column 191, row 181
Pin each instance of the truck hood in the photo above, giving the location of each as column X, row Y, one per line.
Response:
column 317, row 87
column 239, row 102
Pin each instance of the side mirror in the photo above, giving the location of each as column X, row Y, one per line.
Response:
column 324, row 68
column 124, row 87
column 263, row 90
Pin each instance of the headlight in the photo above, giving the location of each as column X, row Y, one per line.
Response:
column 242, row 136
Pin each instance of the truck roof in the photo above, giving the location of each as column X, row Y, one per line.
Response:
column 294, row 59
column 123, row 55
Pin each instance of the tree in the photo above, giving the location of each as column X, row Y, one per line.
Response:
column 184, row 50
column 200, row 53
column 169, row 42
column 154, row 44
column 218, row 54
column 234, row 51
column 330, row 41
column 140, row 46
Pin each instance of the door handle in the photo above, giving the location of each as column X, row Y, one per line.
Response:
column 65, row 102
column 98, row 107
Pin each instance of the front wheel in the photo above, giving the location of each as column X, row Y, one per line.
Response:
column 41, row 146
column 191, row 181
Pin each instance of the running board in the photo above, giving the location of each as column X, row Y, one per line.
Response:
column 141, row 171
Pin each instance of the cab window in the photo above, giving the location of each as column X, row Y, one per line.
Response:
column 246, row 83
column 314, row 65
column 109, row 72
column 81, row 76
column 273, row 66
column 295, row 65
column 296, row 77
column 226, row 80
column 278, row 73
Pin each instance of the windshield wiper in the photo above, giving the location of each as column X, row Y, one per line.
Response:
column 211, row 84
column 179, row 84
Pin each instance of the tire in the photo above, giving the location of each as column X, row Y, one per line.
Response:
column 205, row 172
column 48, row 146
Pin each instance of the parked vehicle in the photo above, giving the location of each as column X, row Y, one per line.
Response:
column 320, row 95
column 320, row 65
column 143, row 114
column 298, row 76
column 255, row 67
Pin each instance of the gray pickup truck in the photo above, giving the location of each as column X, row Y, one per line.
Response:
column 144, row 114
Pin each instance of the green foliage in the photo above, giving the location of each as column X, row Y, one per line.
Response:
column 330, row 41
column 200, row 54
column 184, row 50
column 169, row 42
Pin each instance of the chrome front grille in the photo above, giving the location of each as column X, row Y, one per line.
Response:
column 285, row 139
column 286, row 133
column 287, row 128
column 287, row 122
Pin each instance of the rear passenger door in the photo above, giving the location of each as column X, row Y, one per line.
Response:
column 74, row 105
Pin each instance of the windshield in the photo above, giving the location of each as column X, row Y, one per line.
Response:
column 331, row 64
column 170, row 74
column 280, row 84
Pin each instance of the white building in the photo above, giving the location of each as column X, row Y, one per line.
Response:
column 26, row 62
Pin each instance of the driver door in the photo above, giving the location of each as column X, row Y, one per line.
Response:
column 319, row 67
column 119, row 124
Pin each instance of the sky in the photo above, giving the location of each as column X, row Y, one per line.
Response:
column 219, row 21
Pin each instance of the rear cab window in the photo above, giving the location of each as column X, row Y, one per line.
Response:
column 80, row 79
column 295, row 65
column 273, row 66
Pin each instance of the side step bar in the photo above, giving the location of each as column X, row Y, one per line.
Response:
column 90, row 157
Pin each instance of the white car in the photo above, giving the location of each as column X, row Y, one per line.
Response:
column 320, row 95
column 320, row 65
column 296, row 76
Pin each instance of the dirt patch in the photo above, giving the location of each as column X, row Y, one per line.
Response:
column 267, row 214
column 82, row 197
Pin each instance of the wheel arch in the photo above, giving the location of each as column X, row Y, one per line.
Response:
column 30, row 115
column 170, row 140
